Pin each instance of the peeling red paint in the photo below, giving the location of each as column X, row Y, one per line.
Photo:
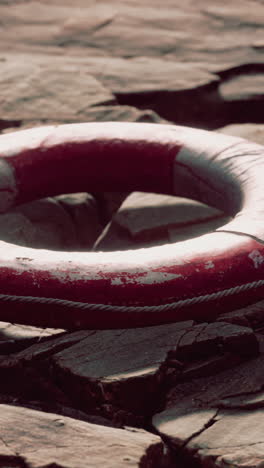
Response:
column 88, row 157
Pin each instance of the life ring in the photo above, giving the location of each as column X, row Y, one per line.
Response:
column 197, row 278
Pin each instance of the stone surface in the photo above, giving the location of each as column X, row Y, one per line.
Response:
column 193, row 63
column 136, row 29
column 217, row 420
column 253, row 132
column 98, row 114
column 65, row 95
column 142, row 213
column 16, row 337
column 16, row 228
column 146, row 56
column 83, row 211
column 53, row 226
column 219, row 439
column 109, row 367
column 36, row 439
column 101, row 371
column 146, row 219
column 67, row 222
column 252, row 316
column 147, row 74
column 243, row 87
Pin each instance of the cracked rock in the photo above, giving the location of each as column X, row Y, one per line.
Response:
column 206, row 339
column 250, row 316
column 217, row 439
column 110, row 367
column 101, row 371
column 235, row 439
column 217, row 420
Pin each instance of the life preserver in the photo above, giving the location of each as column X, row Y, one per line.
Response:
column 197, row 278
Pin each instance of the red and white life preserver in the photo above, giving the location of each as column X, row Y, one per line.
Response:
column 197, row 278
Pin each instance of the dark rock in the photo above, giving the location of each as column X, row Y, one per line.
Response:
column 109, row 367
column 17, row 229
column 83, row 211
column 54, row 228
column 206, row 339
column 102, row 371
column 252, row 315
column 67, row 222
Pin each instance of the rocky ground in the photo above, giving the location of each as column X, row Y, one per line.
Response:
column 180, row 395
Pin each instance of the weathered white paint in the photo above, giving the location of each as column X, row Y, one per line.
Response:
column 256, row 257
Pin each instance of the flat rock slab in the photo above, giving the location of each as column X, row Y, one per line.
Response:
column 65, row 95
column 102, row 371
column 148, row 74
column 243, row 87
column 219, row 438
column 253, row 132
column 218, row 420
column 36, row 439
column 100, row 113
column 15, row 337
column 134, row 29
column 250, row 316
column 142, row 213
column 110, row 367
column 148, row 219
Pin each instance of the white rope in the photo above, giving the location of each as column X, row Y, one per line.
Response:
column 183, row 303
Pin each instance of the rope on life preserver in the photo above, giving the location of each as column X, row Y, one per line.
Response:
column 172, row 306
column 197, row 278
column 123, row 308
